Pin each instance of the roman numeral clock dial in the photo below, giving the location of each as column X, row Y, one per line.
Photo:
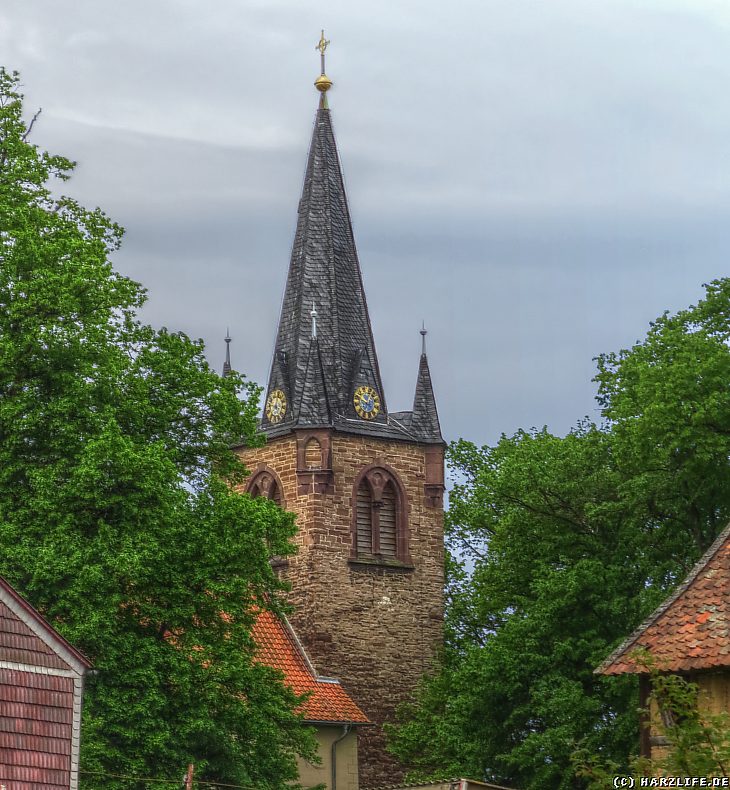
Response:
column 276, row 406
column 367, row 403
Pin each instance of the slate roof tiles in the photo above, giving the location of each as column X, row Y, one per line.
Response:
column 425, row 418
column 320, row 375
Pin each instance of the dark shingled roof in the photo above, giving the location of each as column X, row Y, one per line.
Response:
column 319, row 374
column 425, row 419
column 691, row 629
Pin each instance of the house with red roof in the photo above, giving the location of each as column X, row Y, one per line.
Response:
column 688, row 635
column 41, row 684
column 328, row 707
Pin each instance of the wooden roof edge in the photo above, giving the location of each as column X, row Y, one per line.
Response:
column 42, row 628
column 457, row 784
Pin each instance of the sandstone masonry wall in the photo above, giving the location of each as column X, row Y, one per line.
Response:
column 376, row 627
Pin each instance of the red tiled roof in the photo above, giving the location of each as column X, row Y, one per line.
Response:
column 280, row 649
column 691, row 629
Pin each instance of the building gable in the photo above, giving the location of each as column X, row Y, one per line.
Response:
column 41, row 683
column 19, row 644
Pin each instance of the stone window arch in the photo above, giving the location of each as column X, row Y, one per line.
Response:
column 312, row 454
column 265, row 482
column 379, row 516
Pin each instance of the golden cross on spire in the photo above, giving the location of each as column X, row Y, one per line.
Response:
column 323, row 83
column 322, row 46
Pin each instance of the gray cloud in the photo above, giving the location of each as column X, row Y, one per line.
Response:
column 536, row 180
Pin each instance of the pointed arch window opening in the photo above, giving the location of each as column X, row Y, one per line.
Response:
column 379, row 518
column 265, row 483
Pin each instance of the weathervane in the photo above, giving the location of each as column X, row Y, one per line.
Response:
column 423, row 332
column 323, row 83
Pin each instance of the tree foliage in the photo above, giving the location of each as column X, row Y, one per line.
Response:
column 115, row 520
column 569, row 542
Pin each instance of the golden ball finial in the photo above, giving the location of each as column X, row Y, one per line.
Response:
column 323, row 83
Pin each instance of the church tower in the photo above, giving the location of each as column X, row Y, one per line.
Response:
column 365, row 483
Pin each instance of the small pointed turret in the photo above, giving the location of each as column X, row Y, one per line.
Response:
column 227, row 363
column 425, row 420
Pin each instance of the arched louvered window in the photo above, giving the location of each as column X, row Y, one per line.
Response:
column 379, row 528
column 265, row 483
column 275, row 493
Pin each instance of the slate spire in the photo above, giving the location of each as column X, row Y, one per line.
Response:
column 425, row 420
column 315, row 374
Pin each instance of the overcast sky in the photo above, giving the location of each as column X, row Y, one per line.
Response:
column 537, row 179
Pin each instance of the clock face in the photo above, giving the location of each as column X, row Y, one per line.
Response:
column 367, row 403
column 276, row 406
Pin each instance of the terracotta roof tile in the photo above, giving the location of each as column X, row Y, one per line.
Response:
column 689, row 631
column 279, row 648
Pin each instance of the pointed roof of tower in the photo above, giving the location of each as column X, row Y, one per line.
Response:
column 324, row 371
column 425, row 419
column 325, row 271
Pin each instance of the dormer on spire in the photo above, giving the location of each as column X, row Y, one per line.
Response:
column 313, row 313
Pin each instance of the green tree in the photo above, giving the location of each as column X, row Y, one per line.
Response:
column 551, row 587
column 667, row 405
column 115, row 520
column 570, row 542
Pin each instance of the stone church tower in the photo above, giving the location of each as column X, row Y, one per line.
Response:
column 366, row 483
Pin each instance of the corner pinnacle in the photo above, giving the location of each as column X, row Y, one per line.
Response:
column 227, row 363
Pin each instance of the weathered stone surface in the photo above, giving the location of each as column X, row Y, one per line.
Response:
column 376, row 627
